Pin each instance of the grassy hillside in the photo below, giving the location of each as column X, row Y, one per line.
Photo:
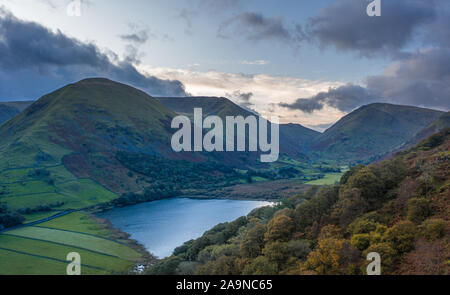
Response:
column 372, row 130
column 398, row 208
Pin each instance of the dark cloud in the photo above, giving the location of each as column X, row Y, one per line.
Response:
column 345, row 98
column 35, row 60
column 345, row 25
column 422, row 79
column 419, row 79
column 242, row 98
column 257, row 27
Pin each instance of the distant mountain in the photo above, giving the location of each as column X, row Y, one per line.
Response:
column 371, row 131
column 7, row 112
column 294, row 138
column 436, row 126
column 211, row 106
column 10, row 109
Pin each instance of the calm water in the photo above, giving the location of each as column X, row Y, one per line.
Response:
column 161, row 226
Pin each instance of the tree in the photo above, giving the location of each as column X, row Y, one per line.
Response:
column 8, row 218
column 362, row 226
column 325, row 259
column 279, row 228
column 369, row 184
column 433, row 229
column 253, row 241
column 401, row 236
column 260, row 266
column 299, row 248
column 360, row 241
column 418, row 209
column 277, row 252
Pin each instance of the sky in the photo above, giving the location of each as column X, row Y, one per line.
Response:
column 308, row 62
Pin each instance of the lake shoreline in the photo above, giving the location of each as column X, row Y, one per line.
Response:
column 198, row 218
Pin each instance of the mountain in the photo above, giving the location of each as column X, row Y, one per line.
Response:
column 438, row 125
column 294, row 138
column 100, row 137
column 10, row 109
column 211, row 106
column 82, row 126
column 371, row 131
column 7, row 112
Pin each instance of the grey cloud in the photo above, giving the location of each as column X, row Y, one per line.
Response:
column 242, row 98
column 345, row 98
column 346, row 26
column 35, row 60
column 139, row 38
column 419, row 79
column 257, row 27
column 422, row 79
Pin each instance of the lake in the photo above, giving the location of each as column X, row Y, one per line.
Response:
column 161, row 226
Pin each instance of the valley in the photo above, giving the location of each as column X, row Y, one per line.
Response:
column 97, row 145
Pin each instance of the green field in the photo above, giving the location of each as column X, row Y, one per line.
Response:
column 330, row 178
column 43, row 249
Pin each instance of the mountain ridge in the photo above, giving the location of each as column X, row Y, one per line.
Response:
column 372, row 130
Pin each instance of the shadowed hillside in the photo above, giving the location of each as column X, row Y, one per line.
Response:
column 294, row 138
column 372, row 131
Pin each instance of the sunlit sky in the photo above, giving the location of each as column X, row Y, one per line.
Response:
column 205, row 45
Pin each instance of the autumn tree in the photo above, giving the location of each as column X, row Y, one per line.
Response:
column 279, row 228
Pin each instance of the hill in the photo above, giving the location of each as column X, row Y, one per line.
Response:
column 82, row 126
column 7, row 112
column 10, row 109
column 372, row 131
column 294, row 138
column 397, row 208
column 438, row 125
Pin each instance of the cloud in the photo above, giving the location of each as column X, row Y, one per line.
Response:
column 264, row 92
column 346, row 26
column 242, row 98
column 344, row 98
column 259, row 62
column 186, row 16
column 35, row 60
column 257, row 27
column 140, row 38
column 421, row 79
